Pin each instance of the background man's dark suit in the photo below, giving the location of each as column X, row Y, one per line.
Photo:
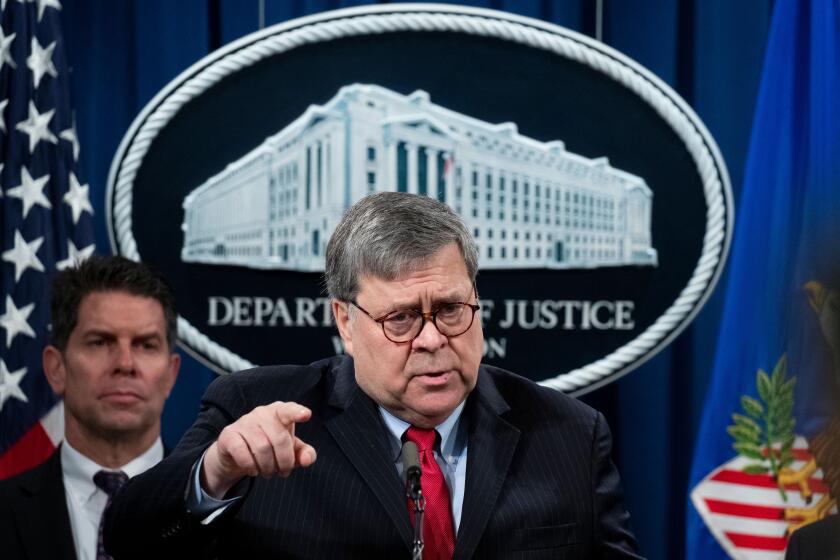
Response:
column 817, row 541
column 34, row 522
column 539, row 480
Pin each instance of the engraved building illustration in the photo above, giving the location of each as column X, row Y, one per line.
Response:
column 529, row 204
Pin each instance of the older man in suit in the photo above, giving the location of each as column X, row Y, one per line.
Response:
column 305, row 461
column 113, row 329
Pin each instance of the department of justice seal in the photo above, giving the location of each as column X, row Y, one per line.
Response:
column 600, row 203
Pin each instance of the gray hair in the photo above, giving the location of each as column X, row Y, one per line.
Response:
column 388, row 234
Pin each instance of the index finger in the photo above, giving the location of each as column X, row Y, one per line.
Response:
column 289, row 413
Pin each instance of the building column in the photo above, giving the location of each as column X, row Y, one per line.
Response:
column 509, row 178
column 431, row 172
column 312, row 183
column 267, row 239
column 391, row 167
column 467, row 188
column 299, row 183
column 326, row 169
column 519, row 241
column 411, row 164
column 449, row 179
column 342, row 196
column 319, row 177
column 493, row 205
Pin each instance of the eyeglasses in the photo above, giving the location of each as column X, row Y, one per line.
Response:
column 404, row 325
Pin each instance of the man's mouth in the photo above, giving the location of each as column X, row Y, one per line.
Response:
column 121, row 397
column 434, row 378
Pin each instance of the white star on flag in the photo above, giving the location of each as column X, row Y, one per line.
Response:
column 6, row 49
column 77, row 198
column 74, row 255
column 24, row 255
column 14, row 321
column 30, row 191
column 40, row 61
column 36, row 126
column 2, row 118
column 10, row 384
column 71, row 136
column 44, row 4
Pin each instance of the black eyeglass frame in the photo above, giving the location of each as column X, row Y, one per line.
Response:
column 430, row 316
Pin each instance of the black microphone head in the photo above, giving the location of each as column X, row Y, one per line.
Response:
column 411, row 459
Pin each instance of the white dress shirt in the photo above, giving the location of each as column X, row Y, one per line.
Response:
column 85, row 501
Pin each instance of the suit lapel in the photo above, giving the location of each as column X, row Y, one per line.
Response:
column 358, row 431
column 42, row 510
column 491, row 445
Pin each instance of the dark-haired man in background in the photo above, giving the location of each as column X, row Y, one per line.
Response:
column 112, row 361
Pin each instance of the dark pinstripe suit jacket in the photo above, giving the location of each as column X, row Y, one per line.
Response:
column 539, row 484
column 34, row 521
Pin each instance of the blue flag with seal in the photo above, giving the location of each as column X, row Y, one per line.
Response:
column 760, row 468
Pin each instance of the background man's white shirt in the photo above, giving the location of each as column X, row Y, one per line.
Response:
column 85, row 501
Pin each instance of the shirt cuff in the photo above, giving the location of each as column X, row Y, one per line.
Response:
column 200, row 503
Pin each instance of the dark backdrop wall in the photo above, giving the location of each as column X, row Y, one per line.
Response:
column 710, row 51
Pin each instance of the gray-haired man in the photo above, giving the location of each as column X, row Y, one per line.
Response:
column 510, row 469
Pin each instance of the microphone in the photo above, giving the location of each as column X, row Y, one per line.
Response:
column 411, row 467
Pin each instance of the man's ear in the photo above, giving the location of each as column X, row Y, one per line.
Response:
column 54, row 370
column 174, row 368
column 341, row 313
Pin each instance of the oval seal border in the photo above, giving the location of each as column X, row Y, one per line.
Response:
column 325, row 26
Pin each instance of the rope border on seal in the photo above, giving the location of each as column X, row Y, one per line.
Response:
column 472, row 22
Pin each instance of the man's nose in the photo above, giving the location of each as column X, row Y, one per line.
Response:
column 124, row 360
column 430, row 338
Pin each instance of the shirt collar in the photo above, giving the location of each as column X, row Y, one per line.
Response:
column 79, row 470
column 446, row 429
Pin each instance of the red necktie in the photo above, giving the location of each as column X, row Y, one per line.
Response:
column 438, row 529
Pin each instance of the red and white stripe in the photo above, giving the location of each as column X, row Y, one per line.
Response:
column 35, row 445
column 745, row 512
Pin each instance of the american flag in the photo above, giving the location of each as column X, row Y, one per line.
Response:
column 45, row 221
